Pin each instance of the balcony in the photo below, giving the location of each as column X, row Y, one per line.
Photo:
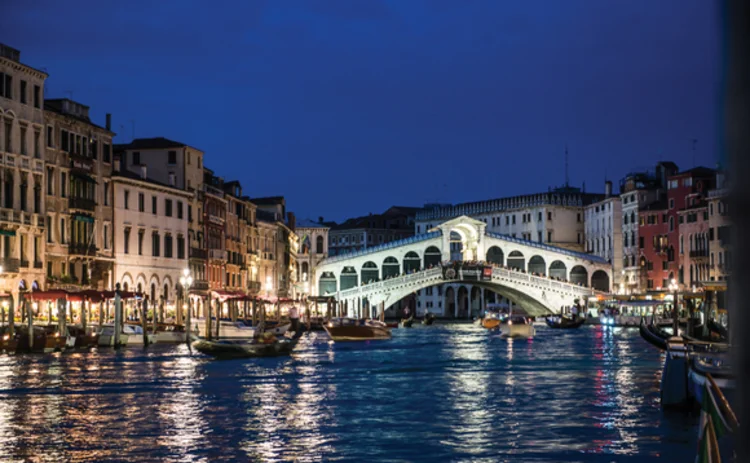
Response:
column 698, row 253
column 253, row 286
column 24, row 264
column 200, row 285
column 215, row 219
column 82, row 249
column 82, row 204
column 9, row 265
column 198, row 253
column 38, row 264
column 217, row 254
column 9, row 215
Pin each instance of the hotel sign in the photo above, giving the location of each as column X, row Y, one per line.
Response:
column 465, row 271
column 81, row 164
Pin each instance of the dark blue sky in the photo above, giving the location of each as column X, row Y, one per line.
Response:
column 347, row 107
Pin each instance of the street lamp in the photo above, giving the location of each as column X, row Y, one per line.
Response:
column 186, row 280
column 673, row 289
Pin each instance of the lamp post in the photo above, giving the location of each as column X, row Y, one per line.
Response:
column 675, row 316
column 186, row 280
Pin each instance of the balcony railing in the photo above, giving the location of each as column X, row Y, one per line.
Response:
column 217, row 254
column 82, row 203
column 82, row 249
column 215, row 219
column 38, row 264
column 253, row 286
column 197, row 253
column 698, row 253
column 9, row 265
column 24, row 264
column 200, row 285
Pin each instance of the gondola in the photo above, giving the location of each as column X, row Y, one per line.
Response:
column 263, row 347
column 407, row 322
column 428, row 319
column 653, row 335
column 717, row 328
column 352, row 329
column 564, row 322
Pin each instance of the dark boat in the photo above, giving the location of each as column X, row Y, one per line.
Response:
column 232, row 349
column 352, row 329
column 43, row 342
column 565, row 322
column 717, row 328
column 428, row 319
column 653, row 335
column 407, row 322
column 82, row 339
column 7, row 344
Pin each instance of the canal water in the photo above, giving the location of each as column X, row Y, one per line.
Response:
column 440, row 393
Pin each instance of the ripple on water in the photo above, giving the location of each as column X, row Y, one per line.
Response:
column 439, row 393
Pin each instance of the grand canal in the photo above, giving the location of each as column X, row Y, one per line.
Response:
column 440, row 393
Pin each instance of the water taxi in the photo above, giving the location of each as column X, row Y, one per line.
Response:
column 353, row 329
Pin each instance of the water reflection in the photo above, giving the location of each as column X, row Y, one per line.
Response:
column 443, row 393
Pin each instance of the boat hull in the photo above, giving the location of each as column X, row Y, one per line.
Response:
column 517, row 331
column 490, row 323
column 241, row 349
column 565, row 323
column 358, row 333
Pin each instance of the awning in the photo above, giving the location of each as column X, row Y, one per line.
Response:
column 83, row 218
column 51, row 295
column 7, row 232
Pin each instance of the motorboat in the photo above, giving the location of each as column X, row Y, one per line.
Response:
column 428, row 319
column 135, row 334
column 561, row 322
column 240, row 330
column 44, row 340
column 407, row 322
column 107, row 336
column 492, row 320
column 354, row 329
column 265, row 345
column 170, row 333
column 82, row 339
column 517, row 326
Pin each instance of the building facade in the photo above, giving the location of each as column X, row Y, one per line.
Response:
column 78, row 164
column 653, row 245
column 214, row 231
column 360, row 233
column 313, row 249
column 22, row 174
column 694, row 243
column 150, row 243
column 718, row 232
column 603, row 225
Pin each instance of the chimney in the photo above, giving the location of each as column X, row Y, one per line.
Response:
column 144, row 173
column 291, row 221
column 607, row 189
column 108, row 124
column 320, row 219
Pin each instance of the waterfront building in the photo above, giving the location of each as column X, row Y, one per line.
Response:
column 718, row 231
column 313, row 249
column 603, row 225
column 214, row 219
column 359, row 233
column 180, row 165
column 685, row 190
column 638, row 190
column 653, row 244
column 237, row 237
column 22, row 204
column 694, row 242
column 267, row 266
column 281, row 244
column 555, row 217
column 79, row 222
column 150, row 244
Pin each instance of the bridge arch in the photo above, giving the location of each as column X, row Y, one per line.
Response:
column 600, row 280
column 390, row 267
column 462, row 311
column 495, row 255
column 579, row 275
column 449, row 304
column 432, row 256
column 327, row 284
column 348, row 278
column 537, row 265
column 516, row 260
column 558, row 270
column 411, row 262
column 370, row 272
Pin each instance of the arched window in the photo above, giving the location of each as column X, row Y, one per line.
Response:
column 165, row 294
column 625, row 219
column 632, row 217
column 319, row 245
column 626, row 240
column 153, row 291
column 682, row 250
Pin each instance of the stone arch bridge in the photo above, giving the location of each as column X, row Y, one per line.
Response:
column 538, row 277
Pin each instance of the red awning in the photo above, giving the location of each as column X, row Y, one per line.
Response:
column 51, row 295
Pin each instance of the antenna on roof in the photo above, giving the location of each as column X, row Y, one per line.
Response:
column 695, row 142
column 566, row 165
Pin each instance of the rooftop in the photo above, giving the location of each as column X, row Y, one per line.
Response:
column 158, row 143
column 268, row 200
column 307, row 223
column 71, row 109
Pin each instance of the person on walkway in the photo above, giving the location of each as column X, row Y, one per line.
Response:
column 294, row 318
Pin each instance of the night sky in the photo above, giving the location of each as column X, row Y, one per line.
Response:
column 347, row 107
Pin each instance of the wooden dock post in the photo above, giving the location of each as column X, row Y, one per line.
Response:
column 144, row 322
column 11, row 318
column 118, row 316
column 26, row 308
column 208, row 311
column 83, row 315
column 188, row 322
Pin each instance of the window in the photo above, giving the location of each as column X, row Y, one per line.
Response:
column 63, row 184
column 64, row 141
column 180, row 247
column 188, row 158
column 126, row 241
column 24, row 84
column 179, row 209
column 539, row 236
column 199, row 162
column 50, row 180
column 664, row 265
column 37, row 96
column 514, row 219
column 37, row 144
column 168, row 245
column 140, row 241
column 172, row 157
column 319, row 245
column 50, row 137
column 141, row 203
column 578, row 217
column 24, row 151
column 8, row 129
column 7, row 89
column 168, row 207
column 688, row 181
column 578, row 240
column 106, row 152
column 106, row 193
column 671, row 224
column 549, row 236
column 155, row 244
column 49, row 229
column 671, row 203
column 190, row 213
column 640, row 242
column 106, row 236
column 153, row 204
column 625, row 240
column 62, row 231
column 136, row 158
column 549, row 215
column 126, row 199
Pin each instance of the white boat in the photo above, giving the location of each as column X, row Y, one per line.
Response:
column 70, row 342
column 517, row 326
column 135, row 334
column 237, row 330
column 170, row 336
column 107, row 336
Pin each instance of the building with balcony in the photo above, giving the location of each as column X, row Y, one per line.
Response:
column 150, row 244
column 78, row 194
column 313, row 249
column 603, row 225
column 653, row 247
column 719, row 243
column 268, row 268
column 638, row 190
column 22, row 204
column 180, row 165
column 239, row 232
column 276, row 230
column 694, row 243
column 214, row 222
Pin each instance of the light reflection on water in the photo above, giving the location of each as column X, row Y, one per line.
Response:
column 439, row 393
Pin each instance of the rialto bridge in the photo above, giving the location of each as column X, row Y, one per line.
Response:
column 538, row 277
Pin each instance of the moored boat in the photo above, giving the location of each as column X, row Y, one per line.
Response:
column 266, row 345
column 107, row 336
column 716, row 365
column 81, row 339
column 517, row 326
column 560, row 322
column 428, row 319
column 352, row 329
column 407, row 322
